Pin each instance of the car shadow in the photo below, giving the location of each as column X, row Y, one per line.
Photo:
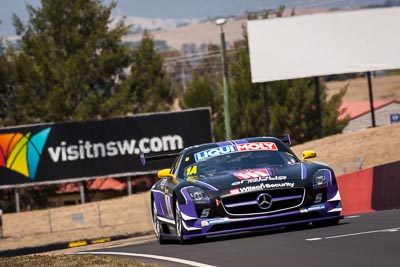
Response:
column 255, row 233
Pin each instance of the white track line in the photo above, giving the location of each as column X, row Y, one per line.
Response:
column 390, row 230
column 352, row 216
column 187, row 262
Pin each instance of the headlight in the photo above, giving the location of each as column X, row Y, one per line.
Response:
column 198, row 195
column 319, row 178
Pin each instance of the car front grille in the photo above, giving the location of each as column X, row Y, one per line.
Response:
column 275, row 200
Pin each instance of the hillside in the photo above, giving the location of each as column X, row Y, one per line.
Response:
column 368, row 147
column 198, row 34
column 384, row 88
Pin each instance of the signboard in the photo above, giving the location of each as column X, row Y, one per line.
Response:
column 394, row 118
column 324, row 44
column 55, row 152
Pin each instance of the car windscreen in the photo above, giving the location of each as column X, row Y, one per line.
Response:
column 236, row 161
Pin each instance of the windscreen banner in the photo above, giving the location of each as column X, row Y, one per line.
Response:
column 57, row 152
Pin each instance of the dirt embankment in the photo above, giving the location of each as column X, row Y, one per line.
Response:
column 384, row 88
column 364, row 148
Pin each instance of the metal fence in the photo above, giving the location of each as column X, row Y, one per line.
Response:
column 105, row 218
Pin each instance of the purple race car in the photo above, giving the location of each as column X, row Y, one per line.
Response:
column 242, row 185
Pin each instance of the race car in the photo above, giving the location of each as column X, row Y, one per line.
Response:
column 241, row 185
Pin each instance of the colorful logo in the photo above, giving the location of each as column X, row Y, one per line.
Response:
column 21, row 153
column 218, row 151
column 248, row 174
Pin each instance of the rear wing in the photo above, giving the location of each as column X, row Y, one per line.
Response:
column 158, row 156
column 286, row 139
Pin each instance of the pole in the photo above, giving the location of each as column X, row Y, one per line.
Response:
column 49, row 216
column 371, row 99
column 17, row 202
column 228, row 131
column 183, row 77
column 99, row 214
column 267, row 117
column 82, row 191
column 319, row 107
column 129, row 185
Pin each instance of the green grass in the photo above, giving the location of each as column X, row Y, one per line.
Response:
column 69, row 261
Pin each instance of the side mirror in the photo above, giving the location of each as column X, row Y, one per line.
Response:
column 308, row 154
column 165, row 173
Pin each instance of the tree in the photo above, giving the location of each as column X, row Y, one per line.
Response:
column 293, row 12
column 1, row 44
column 203, row 92
column 210, row 64
column 205, row 89
column 6, row 78
column 148, row 83
column 293, row 110
column 177, row 67
column 200, row 94
column 70, row 63
column 281, row 11
column 3, row 78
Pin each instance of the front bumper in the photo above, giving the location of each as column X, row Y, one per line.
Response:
column 197, row 227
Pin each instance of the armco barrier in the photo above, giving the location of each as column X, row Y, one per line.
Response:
column 65, row 245
column 371, row 189
column 356, row 190
column 386, row 187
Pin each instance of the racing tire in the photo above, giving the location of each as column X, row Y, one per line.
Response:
column 178, row 223
column 157, row 225
column 330, row 222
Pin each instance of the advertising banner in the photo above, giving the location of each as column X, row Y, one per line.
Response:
column 323, row 44
column 55, row 152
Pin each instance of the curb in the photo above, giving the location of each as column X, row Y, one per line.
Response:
column 65, row 245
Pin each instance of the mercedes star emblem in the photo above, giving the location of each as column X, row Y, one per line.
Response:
column 264, row 201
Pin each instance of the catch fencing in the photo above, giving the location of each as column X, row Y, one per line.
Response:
column 120, row 216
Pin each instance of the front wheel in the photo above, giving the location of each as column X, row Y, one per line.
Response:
column 178, row 223
column 157, row 225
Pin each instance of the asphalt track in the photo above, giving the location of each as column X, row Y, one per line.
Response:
column 370, row 239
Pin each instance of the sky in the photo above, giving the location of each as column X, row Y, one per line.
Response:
column 179, row 9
